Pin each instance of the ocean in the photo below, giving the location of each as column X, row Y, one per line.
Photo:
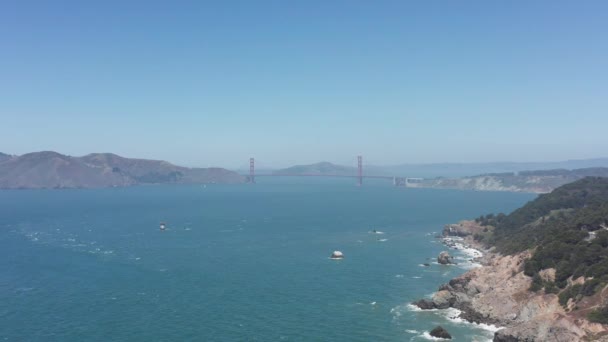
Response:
column 236, row 262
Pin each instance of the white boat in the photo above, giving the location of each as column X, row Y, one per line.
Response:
column 337, row 255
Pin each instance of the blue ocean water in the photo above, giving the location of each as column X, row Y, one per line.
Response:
column 236, row 263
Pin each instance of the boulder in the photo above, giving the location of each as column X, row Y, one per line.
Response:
column 440, row 332
column 444, row 258
column 443, row 299
column 424, row 304
column 511, row 335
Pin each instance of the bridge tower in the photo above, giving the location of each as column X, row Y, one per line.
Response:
column 251, row 170
column 360, row 170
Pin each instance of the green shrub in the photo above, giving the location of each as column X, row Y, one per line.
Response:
column 551, row 288
column 570, row 292
column 537, row 283
column 590, row 287
column 599, row 315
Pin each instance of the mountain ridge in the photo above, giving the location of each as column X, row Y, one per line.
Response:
column 320, row 168
column 49, row 169
column 452, row 170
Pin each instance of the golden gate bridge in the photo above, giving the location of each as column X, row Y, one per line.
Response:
column 397, row 181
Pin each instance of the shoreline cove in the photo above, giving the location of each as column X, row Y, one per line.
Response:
column 493, row 294
column 467, row 255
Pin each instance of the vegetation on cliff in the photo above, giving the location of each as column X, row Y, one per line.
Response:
column 567, row 230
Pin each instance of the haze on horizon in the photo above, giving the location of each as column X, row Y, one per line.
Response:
column 294, row 83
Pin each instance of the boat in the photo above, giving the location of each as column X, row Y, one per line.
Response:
column 163, row 226
column 337, row 255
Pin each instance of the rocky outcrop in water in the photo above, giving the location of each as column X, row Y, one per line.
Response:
column 444, row 258
column 440, row 332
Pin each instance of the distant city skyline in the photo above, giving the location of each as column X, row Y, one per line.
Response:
column 212, row 84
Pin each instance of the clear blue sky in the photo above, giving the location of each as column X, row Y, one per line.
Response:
column 212, row 83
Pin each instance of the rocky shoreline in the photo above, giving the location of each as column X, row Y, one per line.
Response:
column 496, row 293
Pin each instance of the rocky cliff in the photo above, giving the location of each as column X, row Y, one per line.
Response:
column 499, row 293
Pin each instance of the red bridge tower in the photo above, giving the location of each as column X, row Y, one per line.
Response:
column 251, row 170
column 360, row 170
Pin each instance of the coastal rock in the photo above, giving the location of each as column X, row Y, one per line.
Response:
column 470, row 314
column 505, row 336
column 424, row 304
column 560, row 329
column 443, row 299
column 440, row 332
column 444, row 258
column 460, row 283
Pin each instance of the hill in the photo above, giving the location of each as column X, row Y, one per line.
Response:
column 567, row 233
column 54, row 170
column 4, row 157
column 540, row 181
column 454, row 170
column 544, row 274
column 322, row 168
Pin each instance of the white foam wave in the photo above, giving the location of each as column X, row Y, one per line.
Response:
column 453, row 238
column 453, row 314
column 428, row 336
column 470, row 265
column 411, row 331
column 414, row 308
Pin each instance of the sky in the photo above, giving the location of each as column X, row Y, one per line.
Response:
column 212, row 83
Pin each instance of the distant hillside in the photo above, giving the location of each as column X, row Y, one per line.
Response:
column 540, row 181
column 54, row 170
column 447, row 170
column 453, row 170
column 322, row 168
column 4, row 157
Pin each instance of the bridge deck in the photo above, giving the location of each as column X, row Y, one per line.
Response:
column 318, row 175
